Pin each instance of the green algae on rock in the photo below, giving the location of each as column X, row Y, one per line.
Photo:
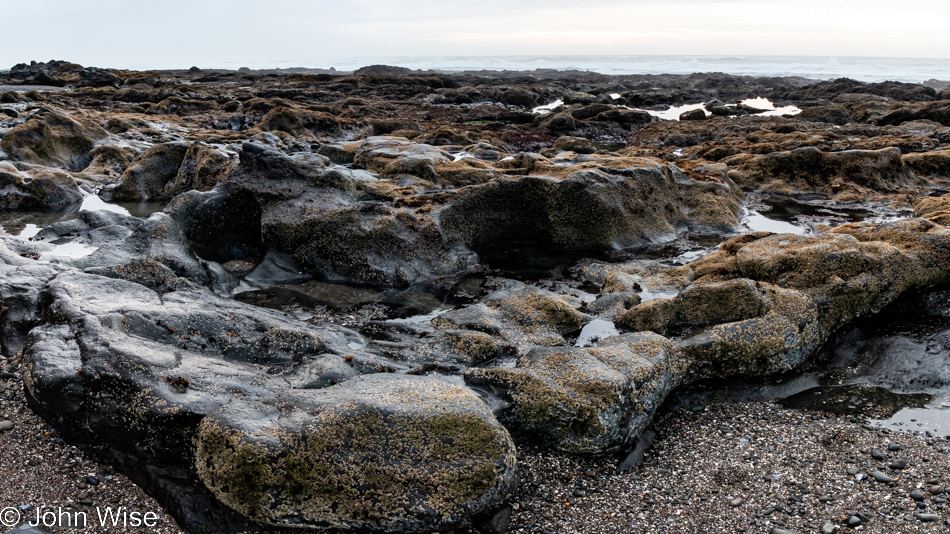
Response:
column 376, row 453
column 586, row 401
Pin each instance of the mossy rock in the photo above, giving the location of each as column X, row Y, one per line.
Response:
column 586, row 401
column 53, row 138
column 378, row 453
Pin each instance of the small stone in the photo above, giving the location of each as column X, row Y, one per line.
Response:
column 6, row 426
column 827, row 528
column 777, row 530
column 494, row 522
column 898, row 464
column 893, row 447
column 854, row 522
column 852, row 471
column 877, row 455
column 736, row 502
column 917, row 495
column 881, row 477
column 927, row 518
column 934, row 490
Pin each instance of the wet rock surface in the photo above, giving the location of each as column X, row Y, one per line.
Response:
column 366, row 288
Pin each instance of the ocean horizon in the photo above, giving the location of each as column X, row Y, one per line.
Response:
column 867, row 69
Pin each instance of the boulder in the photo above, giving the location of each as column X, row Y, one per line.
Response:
column 394, row 155
column 585, row 401
column 54, row 73
column 299, row 122
column 181, row 107
column 934, row 209
column 559, row 122
column 322, row 215
column 202, row 168
column 376, row 453
column 590, row 209
column 693, row 115
column 144, row 374
column 108, row 163
column 520, row 315
column 149, row 174
column 53, row 138
column 938, row 111
column 835, row 114
column 519, row 97
column 811, row 170
column 734, row 328
column 625, row 117
column 583, row 113
column 579, row 145
column 37, row 188
column 934, row 164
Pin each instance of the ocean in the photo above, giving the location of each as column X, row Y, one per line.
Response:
column 868, row 69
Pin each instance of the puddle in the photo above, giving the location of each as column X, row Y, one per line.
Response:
column 26, row 224
column 648, row 294
column 69, row 251
column 422, row 319
column 935, row 421
column 30, row 230
column 142, row 210
column 531, row 262
column 769, row 108
column 856, row 399
column 595, row 331
column 674, row 112
column 547, row 108
column 756, row 222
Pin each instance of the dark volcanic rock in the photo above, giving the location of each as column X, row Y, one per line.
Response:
column 519, row 97
column 114, row 358
column 149, row 174
column 299, row 122
column 37, row 188
column 588, row 209
column 831, row 114
column 202, row 168
column 309, row 464
column 585, row 400
column 811, row 170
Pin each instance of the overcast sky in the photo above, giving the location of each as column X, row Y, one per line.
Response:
column 314, row 33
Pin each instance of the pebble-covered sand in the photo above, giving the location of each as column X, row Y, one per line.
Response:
column 747, row 467
column 730, row 467
column 38, row 470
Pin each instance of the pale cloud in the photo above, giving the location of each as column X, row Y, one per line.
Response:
column 179, row 33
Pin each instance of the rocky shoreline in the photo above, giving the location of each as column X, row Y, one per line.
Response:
column 315, row 331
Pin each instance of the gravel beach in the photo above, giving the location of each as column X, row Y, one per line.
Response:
column 746, row 467
column 719, row 467
column 38, row 470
